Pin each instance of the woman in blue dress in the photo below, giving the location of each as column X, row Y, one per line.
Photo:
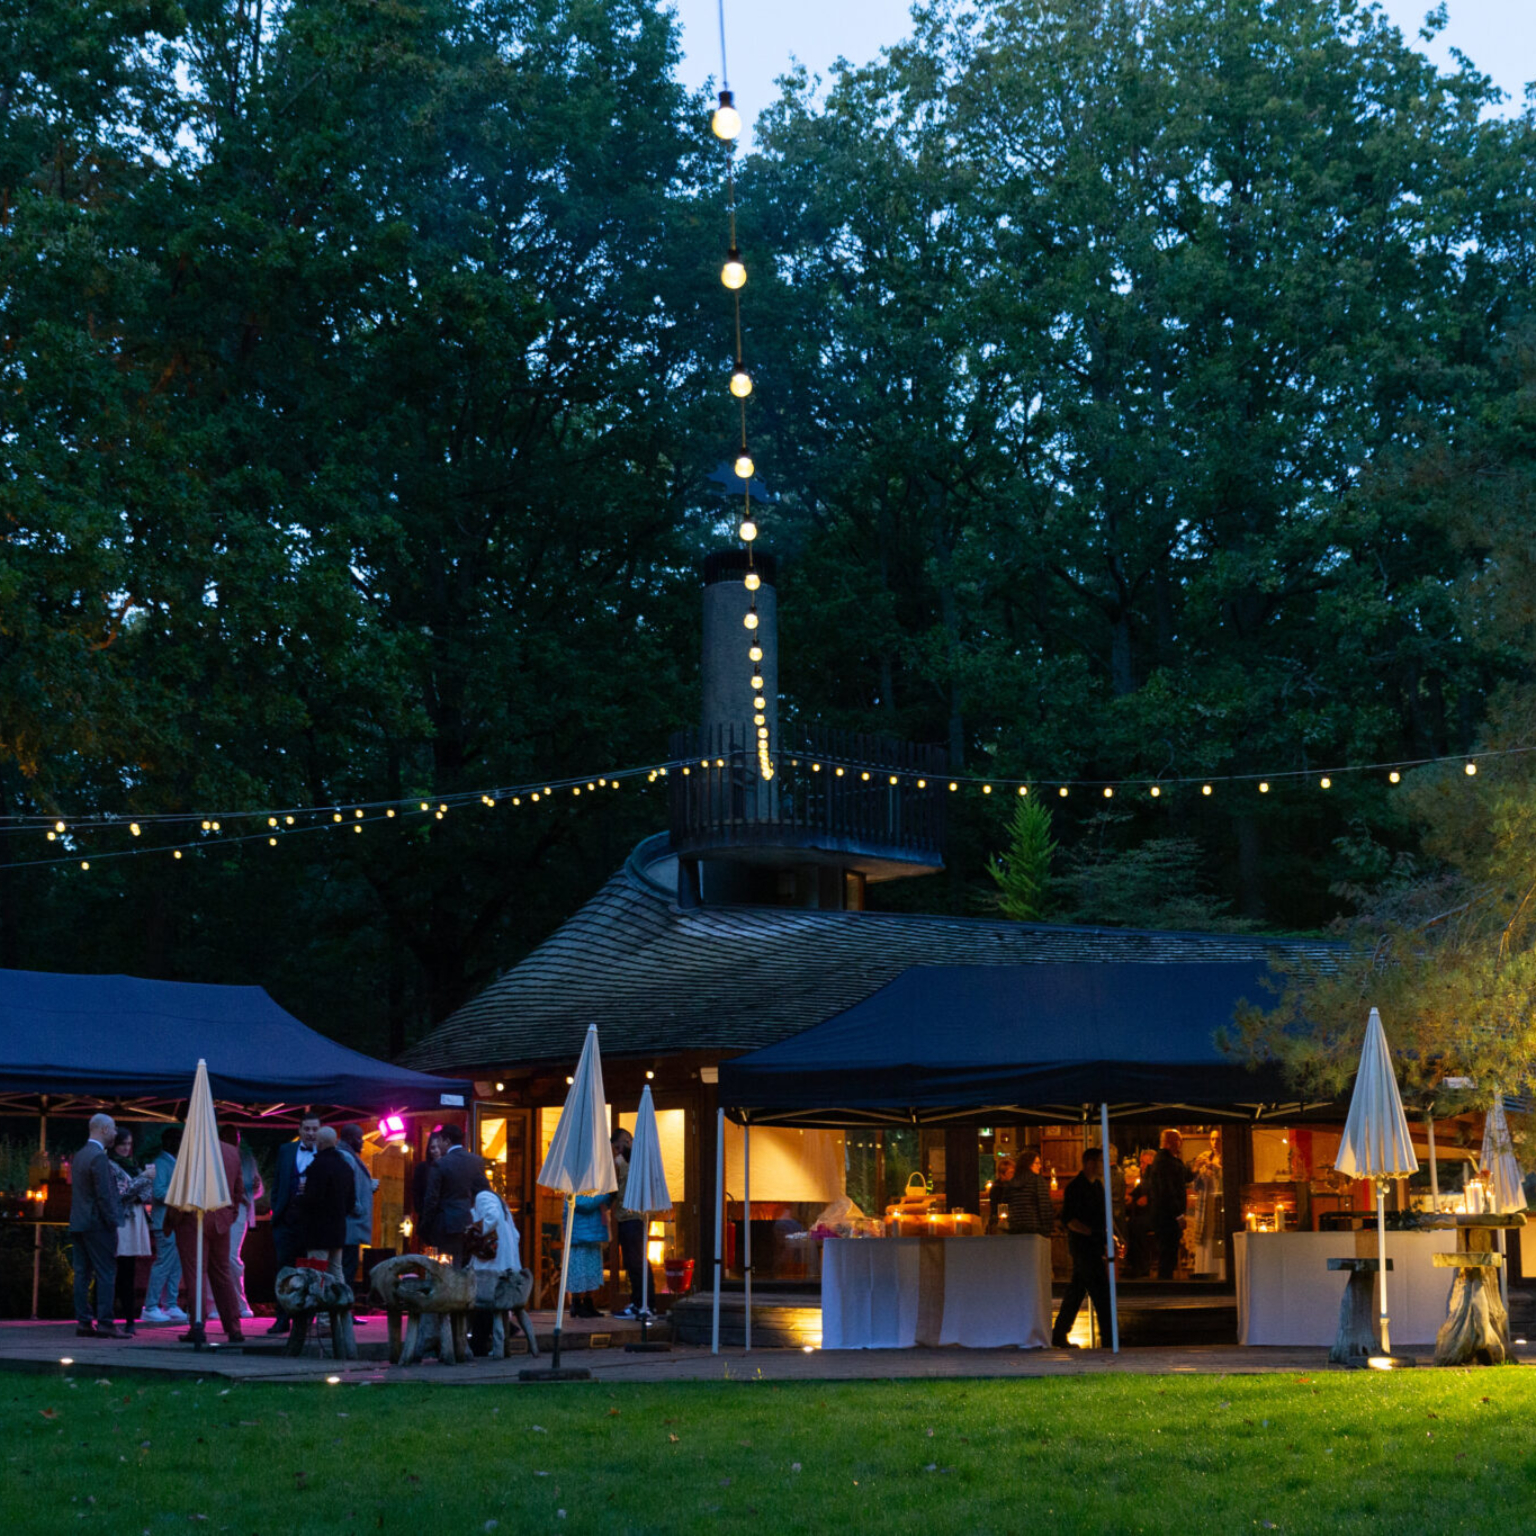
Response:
column 589, row 1235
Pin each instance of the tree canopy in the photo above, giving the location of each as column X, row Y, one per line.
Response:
column 1144, row 389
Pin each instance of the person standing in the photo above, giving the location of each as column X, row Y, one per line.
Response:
column 95, row 1213
column 1168, row 1202
column 216, row 1225
column 1001, row 1194
column 631, row 1227
column 1082, row 1213
column 453, row 1181
column 1028, row 1198
column 328, row 1199
column 293, row 1160
column 420, row 1173
column 245, row 1212
column 493, row 1245
column 588, row 1236
column 165, row 1273
column 134, row 1185
column 360, row 1222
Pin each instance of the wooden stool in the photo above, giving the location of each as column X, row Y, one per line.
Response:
column 1357, row 1341
column 1476, row 1331
column 302, row 1293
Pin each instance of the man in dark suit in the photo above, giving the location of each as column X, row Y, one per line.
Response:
column 452, row 1184
column 293, row 1160
column 95, row 1213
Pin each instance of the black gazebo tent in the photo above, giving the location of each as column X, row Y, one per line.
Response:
column 72, row 1044
column 1048, row 1042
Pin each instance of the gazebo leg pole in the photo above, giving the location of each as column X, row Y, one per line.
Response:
column 1109, row 1229
column 746, row 1224
column 1381, row 1246
column 37, row 1230
column 714, row 1327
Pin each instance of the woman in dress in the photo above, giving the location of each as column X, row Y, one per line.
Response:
column 588, row 1236
column 134, row 1185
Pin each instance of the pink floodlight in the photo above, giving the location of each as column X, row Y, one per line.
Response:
column 392, row 1128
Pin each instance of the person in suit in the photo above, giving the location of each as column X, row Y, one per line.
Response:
column 293, row 1160
column 216, row 1228
column 330, row 1196
column 452, row 1184
column 95, row 1214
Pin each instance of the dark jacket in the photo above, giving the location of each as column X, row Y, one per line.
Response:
column 329, row 1198
column 93, row 1201
column 1083, row 1200
column 284, row 1209
column 452, row 1184
column 1028, row 1198
column 1168, row 1181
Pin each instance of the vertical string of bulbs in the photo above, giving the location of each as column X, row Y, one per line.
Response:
column 726, row 125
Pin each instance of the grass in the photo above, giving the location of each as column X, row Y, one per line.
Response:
column 1419, row 1450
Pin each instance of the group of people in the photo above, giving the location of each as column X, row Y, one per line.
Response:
column 119, row 1215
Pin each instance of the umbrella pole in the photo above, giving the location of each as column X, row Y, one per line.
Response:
column 746, row 1222
column 199, row 1329
column 1434, row 1171
column 645, row 1280
column 565, row 1269
column 1381, row 1248
column 714, row 1327
column 1109, row 1229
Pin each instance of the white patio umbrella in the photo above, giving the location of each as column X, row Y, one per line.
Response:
column 580, row 1158
column 1376, row 1144
column 645, row 1191
column 198, row 1182
column 1508, row 1181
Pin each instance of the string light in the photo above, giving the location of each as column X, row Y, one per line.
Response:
column 734, row 273
column 744, row 466
column 726, row 122
column 741, row 382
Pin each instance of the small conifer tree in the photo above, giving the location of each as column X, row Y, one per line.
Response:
column 1023, row 872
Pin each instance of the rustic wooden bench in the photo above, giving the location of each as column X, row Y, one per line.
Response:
column 1356, row 1341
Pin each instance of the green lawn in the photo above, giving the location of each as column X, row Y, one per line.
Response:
column 1422, row 1450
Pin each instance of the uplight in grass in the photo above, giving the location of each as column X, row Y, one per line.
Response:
column 70, row 1359
column 333, row 1381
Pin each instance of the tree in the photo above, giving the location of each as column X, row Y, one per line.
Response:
column 1023, row 873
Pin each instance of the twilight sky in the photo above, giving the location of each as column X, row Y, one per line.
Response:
column 764, row 36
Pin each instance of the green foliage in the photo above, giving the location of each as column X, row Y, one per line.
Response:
column 1023, row 873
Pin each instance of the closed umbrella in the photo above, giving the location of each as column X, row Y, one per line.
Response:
column 198, row 1182
column 580, row 1158
column 645, row 1192
column 1504, row 1169
column 1376, row 1144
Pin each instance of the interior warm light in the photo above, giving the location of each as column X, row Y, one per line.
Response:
column 649, row 1076
column 569, row 1081
column 725, row 124
column 733, row 274
column 741, row 382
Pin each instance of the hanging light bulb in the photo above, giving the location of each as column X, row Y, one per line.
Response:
column 335, row 815
column 752, row 581
column 750, row 621
column 754, row 653
column 759, row 719
column 757, row 682
column 1109, row 793
column 271, row 821
column 1394, row 777
column 176, row 854
column 85, row 863
column 390, row 813
column 1156, row 791
column 288, row 821
column 1325, row 783
column 734, row 273
column 1023, row 790
column 1205, row 789
column 741, row 382
column 1264, row 788
column 759, row 702
column 272, row 842
column 748, row 531
column 133, row 827
column 726, row 122
column 1470, row 769
column 744, row 466
column 1062, row 791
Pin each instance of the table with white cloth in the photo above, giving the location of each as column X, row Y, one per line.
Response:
column 1286, row 1293
column 897, row 1292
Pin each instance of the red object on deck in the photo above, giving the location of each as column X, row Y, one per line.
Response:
column 679, row 1276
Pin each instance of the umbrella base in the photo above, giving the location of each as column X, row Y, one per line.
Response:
column 1379, row 1363
column 196, row 1336
column 565, row 1373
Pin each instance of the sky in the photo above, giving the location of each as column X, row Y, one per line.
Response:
column 764, row 37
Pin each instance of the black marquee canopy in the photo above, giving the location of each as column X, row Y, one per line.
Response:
column 1033, row 1042
column 72, row 1044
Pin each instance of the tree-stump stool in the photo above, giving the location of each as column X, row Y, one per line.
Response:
column 1476, row 1331
column 1356, row 1341
column 505, row 1293
column 415, row 1289
column 303, row 1293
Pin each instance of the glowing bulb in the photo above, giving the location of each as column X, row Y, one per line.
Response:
column 215, row 826
column 815, row 767
column 176, row 854
column 516, row 800
column 757, row 682
column 1156, row 791
column 1470, row 769
column 425, row 806
column 271, row 821
column 288, row 820
column 748, row 531
column 577, row 790
column 953, row 788
column 390, row 813
column 1062, row 791
column 755, row 653
column 893, row 778
column 726, row 122
column 58, row 826
column 85, row 863
column 358, row 814
column 53, row 837
column 753, row 581
column 762, row 733
column 1325, row 783
column 986, row 789
column 744, row 466
column 569, row 1081
column 207, row 825
column 759, row 720
column 922, row 783
column 438, row 816
column 335, row 815
column 1394, row 777
column 1023, row 790
column 759, row 702
column 733, row 274
column 1109, row 793
column 133, row 827
column 272, row 842
column 1264, row 788
column 535, row 799
column 355, row 827
column 750, row 621
column 741, row 382
column 1205, row 789
column 839, row 773
column 649, row 1076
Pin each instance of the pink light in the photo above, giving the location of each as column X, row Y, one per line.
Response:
column 392, row 1127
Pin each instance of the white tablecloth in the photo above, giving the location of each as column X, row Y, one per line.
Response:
column 996, row 1291
column 1286, row 1294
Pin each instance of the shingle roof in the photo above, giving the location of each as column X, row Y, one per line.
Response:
column 656, row 978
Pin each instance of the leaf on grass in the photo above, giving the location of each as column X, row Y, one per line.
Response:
column 929, row 1433
column 932, row 1466
column 539, row 1429
column 675, row 1439
column 613, row 1413
column 49, row 1413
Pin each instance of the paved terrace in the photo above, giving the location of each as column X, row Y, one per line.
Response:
column 43, row 1347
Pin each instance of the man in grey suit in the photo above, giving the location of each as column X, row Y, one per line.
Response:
column 95, row 1213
